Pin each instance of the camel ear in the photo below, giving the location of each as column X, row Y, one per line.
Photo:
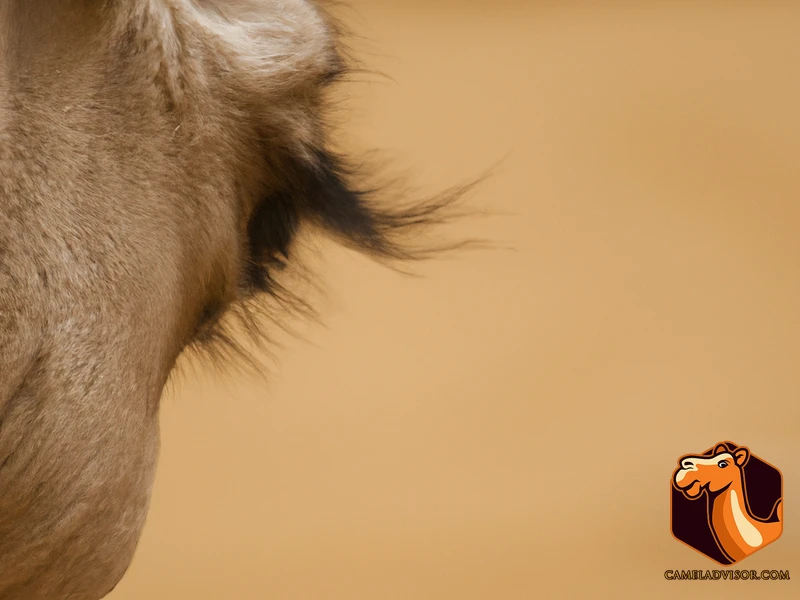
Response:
column 741, row 456
column 719, row 449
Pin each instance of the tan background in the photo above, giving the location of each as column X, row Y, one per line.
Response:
column 506, row 427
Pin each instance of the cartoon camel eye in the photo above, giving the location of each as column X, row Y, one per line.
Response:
column 722, row 464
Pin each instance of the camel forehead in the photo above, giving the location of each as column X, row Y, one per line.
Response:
column 709, row 461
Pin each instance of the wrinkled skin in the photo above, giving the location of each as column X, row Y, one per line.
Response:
column 157, row 158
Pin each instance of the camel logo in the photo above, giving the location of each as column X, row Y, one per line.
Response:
column 726, row 503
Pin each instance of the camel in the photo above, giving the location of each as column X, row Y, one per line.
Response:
column 159, row 160
column 720, row 477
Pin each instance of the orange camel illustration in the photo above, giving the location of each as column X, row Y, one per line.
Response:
column 721, row 478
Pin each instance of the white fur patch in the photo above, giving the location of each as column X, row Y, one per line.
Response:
column 282, row 40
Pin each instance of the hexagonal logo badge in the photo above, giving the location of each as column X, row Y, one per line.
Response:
column 726, row 502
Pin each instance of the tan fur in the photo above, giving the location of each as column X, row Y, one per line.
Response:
column 136, row 138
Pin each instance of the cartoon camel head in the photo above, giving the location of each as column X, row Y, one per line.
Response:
column 720, row 478
column 712, row 473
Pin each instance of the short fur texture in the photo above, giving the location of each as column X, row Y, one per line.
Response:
column 157, row 161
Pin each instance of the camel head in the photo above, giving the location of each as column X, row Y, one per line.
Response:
column 158, row 161
column 713, row 474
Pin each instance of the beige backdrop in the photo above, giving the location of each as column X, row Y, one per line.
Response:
column 506, row 427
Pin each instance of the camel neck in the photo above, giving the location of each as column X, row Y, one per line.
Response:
column 733, row 523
